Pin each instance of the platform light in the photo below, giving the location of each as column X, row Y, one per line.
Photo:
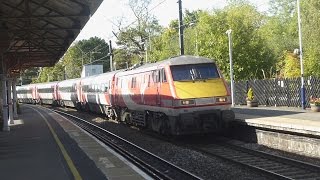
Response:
column 228, row 32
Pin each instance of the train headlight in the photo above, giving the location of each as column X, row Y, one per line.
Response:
column 221, row 99
column 187, row 102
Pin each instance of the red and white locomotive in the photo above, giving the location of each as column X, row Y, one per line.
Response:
column 180, row 95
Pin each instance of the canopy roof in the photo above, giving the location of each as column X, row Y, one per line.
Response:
column 38, row 32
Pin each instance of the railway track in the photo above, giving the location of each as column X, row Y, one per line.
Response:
column 273, row 165
column 153, row 165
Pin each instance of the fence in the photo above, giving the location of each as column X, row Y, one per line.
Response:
column 277, row 92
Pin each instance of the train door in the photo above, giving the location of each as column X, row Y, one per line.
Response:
column 55, row 92
column 79, row 91
column 116, row 91
column 34, row 93
column 158, row 84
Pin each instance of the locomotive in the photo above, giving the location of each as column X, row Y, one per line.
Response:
column 178, row 96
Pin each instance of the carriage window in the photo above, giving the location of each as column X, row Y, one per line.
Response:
column 149, row 79
column 133, row 82
column 194, row 72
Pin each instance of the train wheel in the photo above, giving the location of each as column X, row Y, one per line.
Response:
column 86, row 107
column 164, row 127
column 149, row 120
column 78, row 105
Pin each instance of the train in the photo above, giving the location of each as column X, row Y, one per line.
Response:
column 181, row 95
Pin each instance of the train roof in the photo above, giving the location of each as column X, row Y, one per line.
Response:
column 178, row 60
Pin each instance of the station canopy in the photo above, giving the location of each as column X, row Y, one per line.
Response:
column 36, row 33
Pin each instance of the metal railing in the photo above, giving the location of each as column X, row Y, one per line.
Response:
column 277, row 92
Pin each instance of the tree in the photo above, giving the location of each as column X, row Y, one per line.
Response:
column 279, row 31
column 292, row 65
column 310, row 12
column 29, row 75
column 250, row 56
column 132, row 39
column 92, row 51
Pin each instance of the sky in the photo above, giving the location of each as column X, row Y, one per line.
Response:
column 105, row 19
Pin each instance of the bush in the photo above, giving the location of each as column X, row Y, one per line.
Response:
column 315, row 101
column 250, row 95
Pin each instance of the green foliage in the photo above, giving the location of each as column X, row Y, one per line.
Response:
column 250, row 95
column 250, row 56
column 92, row 51
column 292, row 66
column 29, row 75
column 311, row 35
column 134, row 40
column 315, row 101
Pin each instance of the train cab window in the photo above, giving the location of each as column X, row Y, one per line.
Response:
column 194, row 72
column 163, row 77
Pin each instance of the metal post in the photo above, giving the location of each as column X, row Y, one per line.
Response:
column 231, row 65
column 197, row 51
column 14, row 93
column 303, row 90
column 111, row 55
column 4, row 97
column 81, row 55
column 181, row 29
column 4, row 104
column 146, row 51
column 10, row 101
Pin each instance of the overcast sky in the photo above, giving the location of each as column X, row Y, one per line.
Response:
column 101, row 23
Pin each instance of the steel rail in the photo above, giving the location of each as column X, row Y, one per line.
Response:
column 101, row 133
column 274, row 165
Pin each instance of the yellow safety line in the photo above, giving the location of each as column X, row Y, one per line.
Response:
column 72, row 167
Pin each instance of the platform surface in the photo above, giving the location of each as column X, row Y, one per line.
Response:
column 44, row 145
column 280, row 118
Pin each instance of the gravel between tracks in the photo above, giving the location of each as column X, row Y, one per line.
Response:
column 195, row 162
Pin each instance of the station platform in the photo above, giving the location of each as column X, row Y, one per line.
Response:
column 43, row 145
column 288, row 119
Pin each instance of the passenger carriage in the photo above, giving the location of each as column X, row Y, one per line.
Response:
column 47, row 93
column 68, row 93
column 96, row 93
column 26, row 93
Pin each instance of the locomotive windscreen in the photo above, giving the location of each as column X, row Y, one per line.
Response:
column 193, row 72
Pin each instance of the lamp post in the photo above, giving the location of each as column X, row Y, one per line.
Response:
column 231, row 65
column 303, row 90
column 181, row 42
